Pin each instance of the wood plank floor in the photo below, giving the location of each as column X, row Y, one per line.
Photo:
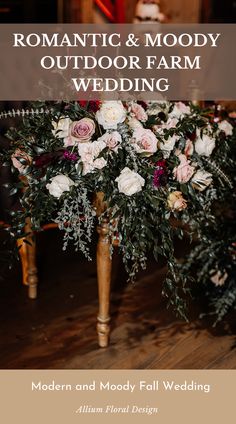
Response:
column 57, row 331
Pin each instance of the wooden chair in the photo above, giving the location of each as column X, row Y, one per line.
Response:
column 27, row 253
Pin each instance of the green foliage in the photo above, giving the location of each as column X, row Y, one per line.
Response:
column 143, row 220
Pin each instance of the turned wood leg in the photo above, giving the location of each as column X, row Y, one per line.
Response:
column 104, row 283
column 28, row 260
column 32, row 271
column 24, row 260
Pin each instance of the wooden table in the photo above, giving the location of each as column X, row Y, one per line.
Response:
column 27, row 253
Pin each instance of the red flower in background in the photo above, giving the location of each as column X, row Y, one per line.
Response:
column 91, row 106
column 160, row 174
column 47, row 158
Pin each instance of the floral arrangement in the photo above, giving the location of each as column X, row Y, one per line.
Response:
column 162, row 166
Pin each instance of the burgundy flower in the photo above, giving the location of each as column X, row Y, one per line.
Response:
column 191, row 135
column 83, row 103
column 143, row 104
column 47, row 158
column 161, row 164
column 70, row 156
column 94, row 106
column 160, row 174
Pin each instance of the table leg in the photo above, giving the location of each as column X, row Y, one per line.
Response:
column 104, row 265
column 23, row 252
column 28, row 261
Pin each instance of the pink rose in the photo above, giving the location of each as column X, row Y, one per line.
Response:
column 99, row 163
column 112, row 140
column 19, row 154
column 180, row 110
column 183, row 172
column 139, row 112
column 80, row 132
column 171, row 123
column 144, row 141
column 89, row 153
column 176, row 201
column 188, row 151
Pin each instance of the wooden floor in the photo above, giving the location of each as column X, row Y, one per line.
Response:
column 57, row 331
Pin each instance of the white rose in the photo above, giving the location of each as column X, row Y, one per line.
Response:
column 86, row 152
column 110, row 114
column 129, row 182
column 180, row 110
column 97, row 147
column 59, row 185
column 99, row 163
column 168, row 145
column 89, row 151
column 62, row 127
column 226, row 127
column 155, row 107
column 90, row 166
column 134, row 123
column 204, row 145
column 154, row 110
column 87, row 168
column 201, row 180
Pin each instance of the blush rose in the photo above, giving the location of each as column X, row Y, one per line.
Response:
column 176, row 201
column 184, row 171
column 16, row 160
column 80, row 132
column 144, row 141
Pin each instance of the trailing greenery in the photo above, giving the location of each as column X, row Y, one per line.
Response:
column 156, row 163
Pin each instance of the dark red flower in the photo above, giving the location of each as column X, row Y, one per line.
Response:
column 161, row 163
column 143, row 104
column 191, row 135
column 94, row 105
column 83, row 103
column 47, row 158
column 70, row 156
column 160, row 174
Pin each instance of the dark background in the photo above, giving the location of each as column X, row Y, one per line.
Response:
column 46, row 11
column 28, row 11
column 223, row 11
